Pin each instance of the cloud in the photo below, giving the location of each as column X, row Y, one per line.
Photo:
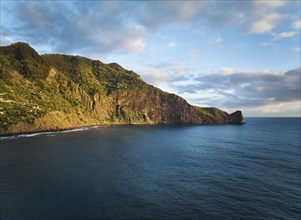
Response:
column 270, row 4
column 279, row 36
column 293, row 108
column 172, row 44
column 244, row 89
column 225, row 14
column 39, row 17
column 6, row 40
column 75, row 27
column 266, row 15
column 266, row 22
column 227, row 71
column 100, row 27
column 247, row 16
column 167, row 72
column 155, row 76
column 297, row 24
column 286, row 34
column 153, row 14
column 134, row 41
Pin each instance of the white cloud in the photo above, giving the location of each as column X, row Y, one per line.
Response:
column 227, row 70
column 134, row 39
column 170, row 72
column 297, row 24
column 154, row 76
column 286, row 34
column 134, row 44
column 291, row 108
column 6, row 40
column 270, row 3
column 180, row 71
column 247, row 16
column 172, row 44
column 266, row 15
column 260, row 91
column 82, row 28
column 266, row 22
column 187, row 9
column 106, row 26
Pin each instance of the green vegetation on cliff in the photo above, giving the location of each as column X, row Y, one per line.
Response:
column 54, row 91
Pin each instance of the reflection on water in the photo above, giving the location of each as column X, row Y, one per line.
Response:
column 152, row 172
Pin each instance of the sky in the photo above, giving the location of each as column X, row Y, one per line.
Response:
column 240, row 54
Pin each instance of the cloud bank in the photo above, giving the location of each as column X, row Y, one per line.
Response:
column 123, row 26
column 82, row 27
column 246, row 89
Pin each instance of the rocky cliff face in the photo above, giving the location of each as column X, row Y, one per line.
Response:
column 53, row 92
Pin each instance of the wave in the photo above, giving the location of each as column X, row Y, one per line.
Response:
column 47, row 133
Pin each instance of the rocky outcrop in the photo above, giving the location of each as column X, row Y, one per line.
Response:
column 236, row 118
column 53, row 92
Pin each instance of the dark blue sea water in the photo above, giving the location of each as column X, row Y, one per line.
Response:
column 155, row 172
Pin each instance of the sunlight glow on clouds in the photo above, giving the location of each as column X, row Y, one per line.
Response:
column 227, row 70
column 253, row 90
column 211, row 52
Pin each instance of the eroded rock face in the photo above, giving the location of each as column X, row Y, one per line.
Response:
column 52, row 92
column 164, row 108
column 236, row 118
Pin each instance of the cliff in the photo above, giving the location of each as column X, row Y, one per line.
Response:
column 53, row 92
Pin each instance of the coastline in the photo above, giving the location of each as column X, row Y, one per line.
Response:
column 69, row 129
column 59, row 130
column 12, row 135
column 48, row 131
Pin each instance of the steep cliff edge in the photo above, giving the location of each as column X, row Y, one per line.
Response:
column 53, row 92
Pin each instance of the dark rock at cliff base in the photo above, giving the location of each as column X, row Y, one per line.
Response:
column 55, row 91
column 236, row 118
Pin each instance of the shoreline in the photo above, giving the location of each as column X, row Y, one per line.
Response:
column 49, row 131
column 83, row 128
column 62, row 130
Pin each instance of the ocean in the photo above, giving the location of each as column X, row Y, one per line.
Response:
column 250, row 171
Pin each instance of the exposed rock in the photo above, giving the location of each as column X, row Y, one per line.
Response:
column 236, row 118
column 73, row 91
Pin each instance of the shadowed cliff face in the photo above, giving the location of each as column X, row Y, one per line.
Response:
column 236, row 118
column 52, row 92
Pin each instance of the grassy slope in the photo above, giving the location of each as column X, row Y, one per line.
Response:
column 53, row 92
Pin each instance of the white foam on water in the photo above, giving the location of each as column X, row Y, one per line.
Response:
column 47, row 133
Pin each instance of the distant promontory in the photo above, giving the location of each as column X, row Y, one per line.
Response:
column 55, row 92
